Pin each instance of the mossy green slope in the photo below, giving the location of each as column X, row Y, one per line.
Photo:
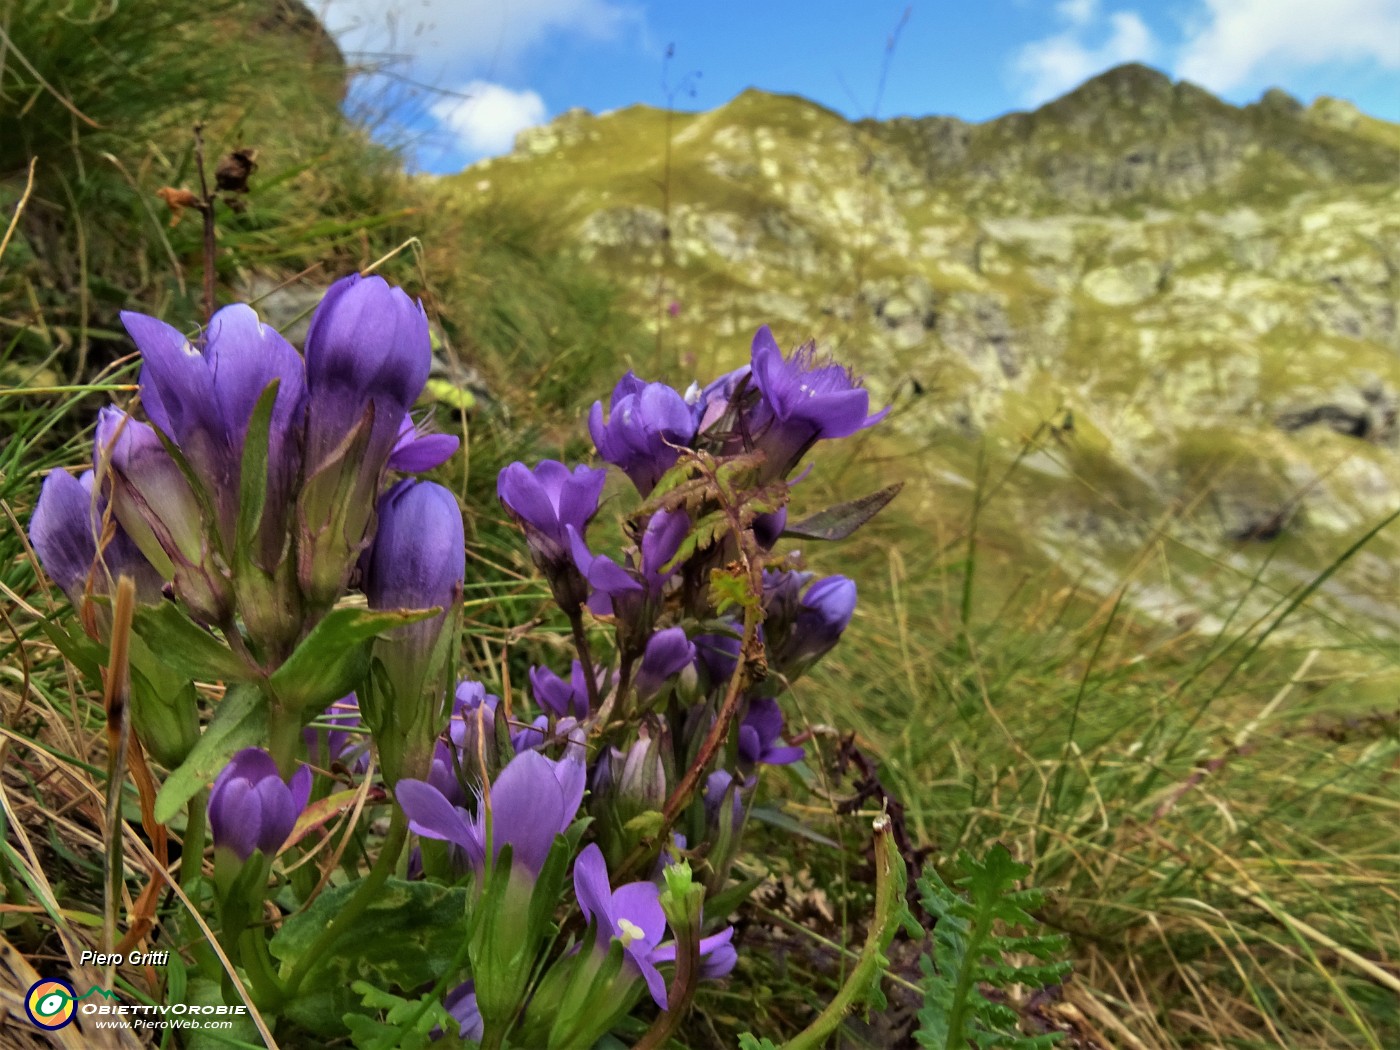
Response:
column 1176, row 317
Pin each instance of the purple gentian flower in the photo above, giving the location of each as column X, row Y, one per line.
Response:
column 160, row 512
column 367, row 357
column 645, row 421
column 68, row 521
column 760, row 730
column 418, row 558
column 252, row 808
column 632, row 915
column 368, row 345
column 417, row 450
column 443, row 776
column 667, row 653
column 717, row 655
column 472, row 728
column 204, row 401
column 461, row 1004
column 560, row 697
column 610, row 584
column 808, row 400
column 720, row 785
column 713, row 403
column 824, row 614
column 417, row 561
column 533, row 800
column 342, row 743
column 545, row 502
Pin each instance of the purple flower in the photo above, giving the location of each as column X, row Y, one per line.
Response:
column 473, row 711
column 719, row 786
column 806, row 399
column 760, row 730
column 417, row 561
column 823, row 616
column 717, row 655
column 252, row 808
column 610, row 584
column 768, row 528
column 714, row 403
column 632, row 915
column 533, row 800
column 342, row 743
column 645, row 421
column 67, row 525
column 417, row 450
column 368, row 345
column 717, row 954
column 204, row 402
column 367, row 357
column 160, row 512
column 667, row 653
column 461, row 1004
column 418, row 558
column 559, row 697
column 545, row 503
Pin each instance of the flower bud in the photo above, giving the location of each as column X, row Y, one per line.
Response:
column 667, row 653
column 417, row 561
column 252, row 808
column 368, row 353
column 68, row 524
column 160, row 512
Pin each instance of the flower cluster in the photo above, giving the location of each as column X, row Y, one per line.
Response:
column 267, row 504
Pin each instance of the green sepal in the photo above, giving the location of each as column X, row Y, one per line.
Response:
column 334, row 658
column 239, row 721
column 186, row 647
column 252, row 477
column 726, row 901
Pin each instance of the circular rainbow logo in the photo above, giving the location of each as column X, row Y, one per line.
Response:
column 50, row 1003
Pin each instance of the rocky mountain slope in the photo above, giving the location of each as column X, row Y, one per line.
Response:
column 1170, row 323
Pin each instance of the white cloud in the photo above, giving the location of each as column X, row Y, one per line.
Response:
column 1238, row 42
column 456, row 38
column 1057, row 63
column 487, row 120
column 1077, row 12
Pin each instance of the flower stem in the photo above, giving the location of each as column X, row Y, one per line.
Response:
column 366, row 893
column 889, row 905
column 585, row 656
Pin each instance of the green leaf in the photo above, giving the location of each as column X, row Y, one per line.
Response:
column 333, row 659
column 971, row 949
column 407, row 938
column 239, row 721
column 186, row 647
column 838, row 522
column 82, row 652
column 252, row 480
column 776, row 818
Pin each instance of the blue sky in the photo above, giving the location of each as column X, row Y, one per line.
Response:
column 495, row 66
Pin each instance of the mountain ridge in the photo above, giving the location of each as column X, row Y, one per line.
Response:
column 1208, row 291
